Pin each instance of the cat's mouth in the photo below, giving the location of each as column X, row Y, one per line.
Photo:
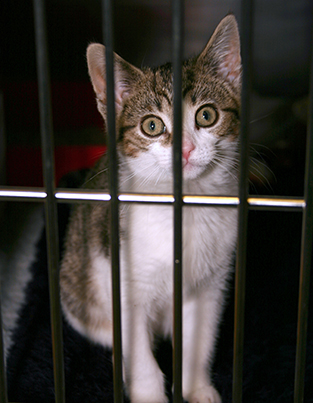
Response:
column 191, row 170
column 188, row 166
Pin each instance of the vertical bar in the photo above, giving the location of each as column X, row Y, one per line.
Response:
column 50, row 205
column 306, row 255
column 246, row 51
column 3, row 384
column 2, row 144
column 113, row 179
column 178, row 16
column 2, row 150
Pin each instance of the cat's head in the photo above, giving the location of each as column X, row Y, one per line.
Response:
column 144, row 108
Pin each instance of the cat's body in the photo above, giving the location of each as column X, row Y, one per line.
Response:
column 144, row 101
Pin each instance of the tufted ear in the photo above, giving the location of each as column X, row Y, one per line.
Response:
column 222, row 52
column 125, row 74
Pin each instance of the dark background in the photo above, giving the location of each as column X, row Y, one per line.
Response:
column 282, row 37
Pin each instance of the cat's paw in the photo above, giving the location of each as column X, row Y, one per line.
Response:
column 148, row 390
column 206, row 394
column 143, row 397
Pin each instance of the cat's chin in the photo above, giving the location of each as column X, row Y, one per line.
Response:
column 192, row 171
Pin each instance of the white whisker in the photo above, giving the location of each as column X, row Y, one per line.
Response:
column 94, row 176
column 261, row 117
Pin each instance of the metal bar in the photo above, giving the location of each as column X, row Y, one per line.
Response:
column 306, row 256
column 270, row 203
column 2, row 143
column 22, row 194
column 50, row 205
column 113, row 181
column 276, row 203
column 178, row 23
column 3, row 383
column 246, row 47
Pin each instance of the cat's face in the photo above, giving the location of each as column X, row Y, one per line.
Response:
column 144, row 105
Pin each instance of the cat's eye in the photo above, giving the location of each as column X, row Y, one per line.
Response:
column 153, row 126
column 206, row 116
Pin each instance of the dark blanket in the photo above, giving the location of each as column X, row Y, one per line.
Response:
column 270, row 329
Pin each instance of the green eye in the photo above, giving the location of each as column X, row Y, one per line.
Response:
column 206, row 116
column 153, row 126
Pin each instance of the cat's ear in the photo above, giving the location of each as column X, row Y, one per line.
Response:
column 222, row 52
column 125, row 74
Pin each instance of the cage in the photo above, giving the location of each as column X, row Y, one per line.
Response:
column 286, row 214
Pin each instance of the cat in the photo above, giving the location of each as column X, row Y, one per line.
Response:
column 144, row 109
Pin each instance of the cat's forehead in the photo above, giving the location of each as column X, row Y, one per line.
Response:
column 161, row 84
column 154, row 92
column 198, row 87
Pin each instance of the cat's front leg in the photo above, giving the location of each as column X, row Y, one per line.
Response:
column 143, row 378
column 201, row 315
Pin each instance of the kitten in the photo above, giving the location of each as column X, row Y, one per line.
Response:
column 144, row 106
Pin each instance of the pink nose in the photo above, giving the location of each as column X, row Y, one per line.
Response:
column 187, row 149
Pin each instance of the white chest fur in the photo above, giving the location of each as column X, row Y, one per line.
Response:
column 147, row 253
